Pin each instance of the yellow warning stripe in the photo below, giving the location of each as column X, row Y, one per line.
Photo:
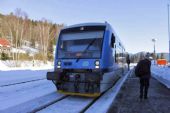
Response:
column 79, row 94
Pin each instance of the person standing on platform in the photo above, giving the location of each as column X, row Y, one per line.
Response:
column 128, row 62
column 143, row 71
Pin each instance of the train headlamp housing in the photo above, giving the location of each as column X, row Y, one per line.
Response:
column 59, row 63
column 97, row 63
column 97, row 67
column 58, row 66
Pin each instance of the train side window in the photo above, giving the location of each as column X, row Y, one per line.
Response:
column 112, row 41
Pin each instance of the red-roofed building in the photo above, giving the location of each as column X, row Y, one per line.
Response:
column 5, row 46
column 4, row 43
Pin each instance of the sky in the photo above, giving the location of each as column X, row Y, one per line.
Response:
column 136, row 22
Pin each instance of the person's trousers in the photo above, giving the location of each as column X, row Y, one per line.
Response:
column 144, row 86
column 128, row 67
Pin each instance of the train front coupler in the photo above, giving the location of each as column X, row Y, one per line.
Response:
column 55, row 75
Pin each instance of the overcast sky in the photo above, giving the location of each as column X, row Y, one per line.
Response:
column 136, row 22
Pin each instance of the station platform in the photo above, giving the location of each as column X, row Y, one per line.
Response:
column 127, row 101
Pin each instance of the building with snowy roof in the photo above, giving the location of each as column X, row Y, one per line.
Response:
column 5, row 46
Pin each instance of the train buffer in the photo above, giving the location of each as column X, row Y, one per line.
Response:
column 127, row 101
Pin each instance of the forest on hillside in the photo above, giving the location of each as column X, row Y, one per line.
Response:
column 17, row 28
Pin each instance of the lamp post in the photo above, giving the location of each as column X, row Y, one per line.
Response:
column 169, row 32
column 154, row 40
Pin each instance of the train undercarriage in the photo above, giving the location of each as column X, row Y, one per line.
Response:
column 83, row 82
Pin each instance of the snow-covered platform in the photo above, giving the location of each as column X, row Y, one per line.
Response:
column 127, row 101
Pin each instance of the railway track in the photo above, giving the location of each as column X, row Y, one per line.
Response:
column 34, row 80
column 55, row 103
column 48, row 104
column 72, row 104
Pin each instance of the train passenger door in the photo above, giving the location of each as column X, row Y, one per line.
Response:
column 113, row 46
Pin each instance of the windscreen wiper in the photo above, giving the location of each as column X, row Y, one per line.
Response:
column 85, row 50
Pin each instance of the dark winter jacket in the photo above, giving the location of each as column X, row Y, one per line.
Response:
column 143, row 68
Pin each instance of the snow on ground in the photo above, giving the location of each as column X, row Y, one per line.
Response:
column 11, row 75
column 29, row 49
column 14, row 50
column 32, row 65
column 3, row 66
column 162, row 74
column 32, row 105
column 16, row 76
column 17, row 94
column 11, row 96
column 24, row 49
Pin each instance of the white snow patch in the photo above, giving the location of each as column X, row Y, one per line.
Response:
column 11, row 75
column 162, row 74
column 17, row 94
column 16, row 76
column 34, row 104
column 14, row 50
column 29, row 49
column 32, row 65
column 14, row 95
column 3, row 66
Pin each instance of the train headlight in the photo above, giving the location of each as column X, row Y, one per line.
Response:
column 97, row 67
column 58, row 66
column 97, row 63
column 59, row 63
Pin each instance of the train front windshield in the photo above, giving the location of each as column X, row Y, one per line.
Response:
column 86, row 44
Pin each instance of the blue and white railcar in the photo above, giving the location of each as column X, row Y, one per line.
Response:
column 89, row 58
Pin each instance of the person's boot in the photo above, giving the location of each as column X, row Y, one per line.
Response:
column 146, row 93
column 141, row 93
column 145, row 97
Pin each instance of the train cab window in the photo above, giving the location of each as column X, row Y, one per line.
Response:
column 80, row 44
column 112, row 41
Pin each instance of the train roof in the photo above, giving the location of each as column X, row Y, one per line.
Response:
column 85, row 24
column 108, row 26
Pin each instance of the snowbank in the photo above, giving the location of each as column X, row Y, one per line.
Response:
column 162, row 74
column 25, row 65
column 28, row 72
column 3, row 66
